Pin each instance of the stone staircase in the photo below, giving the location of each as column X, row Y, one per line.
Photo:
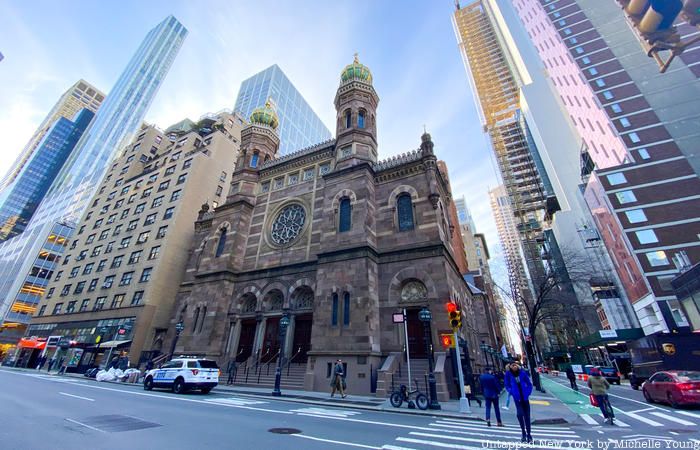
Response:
column 419, row 371
column 264, row 376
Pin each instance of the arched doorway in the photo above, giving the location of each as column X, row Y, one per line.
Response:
column 414, row 295
column 246, row 340
column 274, row 300
column 302, row 304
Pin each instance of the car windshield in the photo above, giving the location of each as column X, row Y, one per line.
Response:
column 608, row 370
column 688, row 376
column 206, row 364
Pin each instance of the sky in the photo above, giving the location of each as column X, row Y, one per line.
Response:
column 409, row 46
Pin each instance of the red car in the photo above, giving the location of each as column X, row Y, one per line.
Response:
column 676, row 387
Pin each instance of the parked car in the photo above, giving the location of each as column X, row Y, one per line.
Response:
column 636, row 380
column 183, row 374
column 677, row 388
column 611, row 374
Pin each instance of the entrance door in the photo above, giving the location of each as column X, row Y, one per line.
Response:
column 245, row 342
column 416, row 341
column 271, row 343
column 302, row 337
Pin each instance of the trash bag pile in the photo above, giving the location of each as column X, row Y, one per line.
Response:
column 118, row 375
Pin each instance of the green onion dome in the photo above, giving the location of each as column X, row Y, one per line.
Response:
column 356, row 71
column 265, row 115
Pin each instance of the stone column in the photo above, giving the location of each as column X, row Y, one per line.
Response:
column 234, row 338
column 289, row 338
column 259, row 335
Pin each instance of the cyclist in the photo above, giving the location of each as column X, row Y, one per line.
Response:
column 599, row 388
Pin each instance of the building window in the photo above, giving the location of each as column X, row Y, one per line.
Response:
column 308, row 174
column 150, row 219
column 49, row 294
column 646, row 236
column 324, row 169
column 74, row 272
column 132, row 225
column 346, row 309
column 219, row 190
column 625, row 197
column 57, row 308
column 170, row 170
column 201, row 322
column 155, row 251
column 643, row 153
column 187, row 163
column 404, row 207
column 143, row 237
column 181, row 179
column 139, row 208
column 634, row 137
column 126, row 278
column 361, row 119
column 99, row 303
column 125, row 242
column 135, row 256
column 345, row 215
column 334, row 312
column 657, row 258
column 278, row 183
column 103, row 235
column 84, row 305
column 117, row 301
column 146, row 192
column 157, row 202
column 254, row 159
column 168, row 213
column 593, row 70
column 567, row 31
column 616, row 178
column 265, row 187
column 579, row 50
column 117, row 262
column 98, row 249
column 93, row 284
column 88, row 268
column 101, row 265
column 66, row 290
column 616, row 108
column 175, row 195
column 70, row 308
column 161, row 232
column 79, row 287
column 136, row 299
column 90, row 239
column 348, row 119
column 42, row 310
column 293, row 179
column 109, row 281
column 125, row 213
column 608, row 95
column 222, row 242
column 164, row 185
column 146, row 275
column 625, row 122
column 600, row 82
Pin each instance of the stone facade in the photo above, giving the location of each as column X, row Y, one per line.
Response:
column 330, row 237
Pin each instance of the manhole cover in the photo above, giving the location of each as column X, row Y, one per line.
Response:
column 114, row 423
column 284, row 430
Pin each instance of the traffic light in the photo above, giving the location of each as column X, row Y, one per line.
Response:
column 447, row 341
column 659, row 15
column 691, row 11
column 454, row 315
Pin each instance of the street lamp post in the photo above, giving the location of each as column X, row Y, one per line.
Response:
column 284, row 323
column 425, row 316
column 179, row 327
column 483, row 348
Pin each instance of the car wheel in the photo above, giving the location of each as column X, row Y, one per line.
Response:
column 618, row 383
column 647, row 397
column 148, row 384
column 179, row 386
column 206, row 390
column 671, row 401
column 634, row 386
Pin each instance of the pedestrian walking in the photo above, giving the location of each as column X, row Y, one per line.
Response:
column 62, row 365
column 231, row 369
column 599, row 389
column 52, row 361
column 338, row 379
column 518, row 384
column 571, row 375
column 491, row 388
column 506, row 375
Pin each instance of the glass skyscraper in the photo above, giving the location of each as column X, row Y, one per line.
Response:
column 20, row 199
column 118, row 119
column 299, row 125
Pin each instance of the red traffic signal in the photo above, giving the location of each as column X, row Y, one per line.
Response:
column 451, row 307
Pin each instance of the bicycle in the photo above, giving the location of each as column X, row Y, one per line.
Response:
column 404, row 395
column 610, row 413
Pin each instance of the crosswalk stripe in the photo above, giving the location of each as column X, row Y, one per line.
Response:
column 512, row 430
column 588, row 419
column 326, row 412
column 395, row 447
column 437, row 444
column 495, row 434
column 673, row 419
column 470, row 423
column 485, row 442
column 620, row 423
column 687, row 413
column 653, row 423
column 234, row 401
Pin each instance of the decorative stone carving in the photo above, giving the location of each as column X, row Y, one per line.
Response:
column 414, row 291
column 288, row 224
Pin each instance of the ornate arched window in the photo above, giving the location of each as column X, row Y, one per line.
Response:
column 222, row 242
column 196, row 319
column 344, row 215
column 404, row 207
column 249, row 304
column 361, row 119
column 254, row 160
column 201, row 322
column 348, row 119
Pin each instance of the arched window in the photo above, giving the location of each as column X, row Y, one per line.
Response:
column 222, row 242
column 404, row 206
column 346, row 309
column 254, row 160
column 361, row 119
column 334, row 312
column 196, row 319
column 348, row 120
column 201, row 322
column 345, row 215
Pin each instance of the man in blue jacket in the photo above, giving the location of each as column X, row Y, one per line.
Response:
column 491, row 388
column 518, row 384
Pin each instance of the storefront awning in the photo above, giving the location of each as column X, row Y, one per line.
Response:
column 111, row 344
column 603, row 336
column 32, row 343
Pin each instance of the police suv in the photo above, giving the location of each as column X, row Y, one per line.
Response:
column 183, row 374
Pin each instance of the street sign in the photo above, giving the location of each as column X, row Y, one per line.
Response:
column 608, row 333
column 398, row 318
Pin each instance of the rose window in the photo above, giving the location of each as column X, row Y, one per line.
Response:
column 288, row 224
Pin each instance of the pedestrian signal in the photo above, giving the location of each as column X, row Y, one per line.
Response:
column 447, row 341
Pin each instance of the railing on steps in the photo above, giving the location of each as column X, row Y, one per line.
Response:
column 289, row 363
column 269, row 361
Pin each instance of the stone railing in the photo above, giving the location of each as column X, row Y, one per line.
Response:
column 296, row 154
column 397, row 160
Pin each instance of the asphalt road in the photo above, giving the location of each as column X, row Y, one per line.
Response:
column 41, row 411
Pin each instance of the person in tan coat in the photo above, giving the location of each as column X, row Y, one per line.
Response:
column 599, row 388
